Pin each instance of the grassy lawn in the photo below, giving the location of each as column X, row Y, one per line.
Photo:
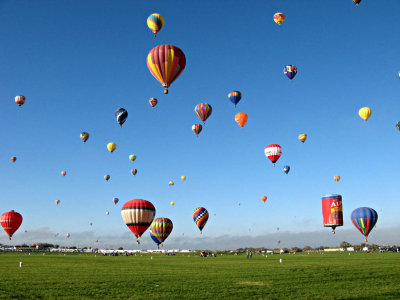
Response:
column 314, row 276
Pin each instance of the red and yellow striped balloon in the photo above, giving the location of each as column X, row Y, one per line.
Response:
column 302, row 137
column 161, row 228
column 166, row 63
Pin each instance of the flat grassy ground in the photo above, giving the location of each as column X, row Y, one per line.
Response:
column 299, row 276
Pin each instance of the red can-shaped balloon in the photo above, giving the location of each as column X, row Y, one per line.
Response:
column 332, row 211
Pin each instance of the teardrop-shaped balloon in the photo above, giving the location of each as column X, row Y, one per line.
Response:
column 134, row 172
column 115, row 200
column 132, row 157
column 203, row 111
column 121, row 114
column 365, row 113
column 290, row 71
column 241, row 119
column 153, row 102
column 107, row 177
column 138, row 214
column 235, row 97
column 183, row 178
column 264, row 198
column 302, row 137
column 10, row 221
column 68, row 235
column 357, row 2
column 273, row 152
column 286, row 169
column 20, row 100
column 200, row 217
column 171, row 183
column 63, row 173
column 197, row 128
column 166, row 63
column 279, row 18
column 155, row 22
column 161, row 228
column 84, row 136
column 13, row 158
column 172, row 203
column 57, row 201
column 364, row 219
column 336, row 178
column 111, row 147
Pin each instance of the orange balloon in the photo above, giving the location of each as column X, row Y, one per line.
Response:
column 264, row 198
column 241, row 119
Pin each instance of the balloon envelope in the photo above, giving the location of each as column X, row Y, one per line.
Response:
column 241, row 119
column 336, row 178
column 172, row 203
column 161, row 228
column 63, row 173
column 107, row 177
column 286, row 169
column 235, row 97
column 132, row 157
column 290, row 71
column 58, row 201
column 20, row 100
column 273, row 152
column 155, row 22
column 111, row 147
column 134, row 172
column 84, row 136
column 10, row 221
column 155, row 240
column 203, row 111
column 153, row 102
column 121, row 114
column 138, row 214
column 197, row 128
column 183, row 178
column 365, row 113
column 264, row 198
column 279, row 18
column 13, row 158
column 115, row 200
column 302, row 137
column 364, row 219
column 200, row 217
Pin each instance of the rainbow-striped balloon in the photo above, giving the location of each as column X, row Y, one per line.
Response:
column 200, row 217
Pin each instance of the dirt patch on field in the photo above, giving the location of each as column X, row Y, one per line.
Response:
column 257, row 283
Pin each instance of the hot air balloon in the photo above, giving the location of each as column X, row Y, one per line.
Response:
column 10, row 221
column 155, row 240
column 302, row 137
column 279, row 18
column 197, row 128
column 96, row 241
column 172, row 203
column 68, row 235
column 264, row 198
column 132, row 157
column 336, row 178
column 57, row 201
column 357, row 2
column 63, row 173
column 161, row 228
column 107, row 177
column 171, row 183
column 364, row 219
column 90, row 223
column 121, row 114
column 107, row 213
column 183, row 178
column 13, row 158
column 134, row 172
column 332, row 211
column 286, row 169
column 153, row 102
column 138, row 214
column 200, row 217
column 203, row 111
column 115, row 200
column 57, row 234
column 241, row 119
column 20, row 100
column 84, row 136
column 235, row 97
column 273, row 152
column 365, row 113
column 398, row 125
column 155, row 22
column 290, row 71
column 111, row 147
column 166, row 63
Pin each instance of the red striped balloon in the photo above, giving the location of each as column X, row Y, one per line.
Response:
column 273, row 152
column 10, row 221
column 138, row 215
column 161, row 228
column 203, row 111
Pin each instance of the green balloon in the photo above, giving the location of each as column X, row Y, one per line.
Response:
column 132, row 157
column 106, row 177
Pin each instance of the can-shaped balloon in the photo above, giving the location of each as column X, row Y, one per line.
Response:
column 332, row 211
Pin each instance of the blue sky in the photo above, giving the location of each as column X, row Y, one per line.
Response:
column 77, row 62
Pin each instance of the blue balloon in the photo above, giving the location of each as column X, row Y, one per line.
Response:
column 364, row 219
column 286, row 169
column 121, row 114
column 235, row 97
column 155, row 239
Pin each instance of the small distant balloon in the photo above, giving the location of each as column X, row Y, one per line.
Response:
column 171, row 183
column 111, row 147
column 132, row 157
column 84, row 136
column 235, row 97
column 57, row 234
column 241, row 118
column 121, row 114
column 107, row 177
column 57, row 201
column 203, row 111
column 90, row 224
column 336, row 178
column 302, row 137
column 279, row 18
column 68, row 235
column 197, row 128
column 115, row 200
column 172, row 203
column 365, row 113
column 20, row 100
column 290, row 71
column 107, row 213
column 286, row 169
column 155, row 22
column 183, row 178
column 153, row 102
column 200, row 217
column 13, row 158
column 357, row 2
column 273, row 152
column 63, row 173
column 264, row 198
column 398, row 125
column 134, row 172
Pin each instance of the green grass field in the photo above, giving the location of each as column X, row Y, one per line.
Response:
column 314, row 276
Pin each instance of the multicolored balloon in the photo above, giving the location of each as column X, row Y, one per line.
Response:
column 134, row 172
column 273, row 152
column 336, row 178
column 111, row 147
column 235, row 97
column 13, row 159
column 241, row 119
column 10, row 221
column 57, row 201
column 357, row 2
column 286, row 169
column 155, row 239
column 290, row 71
column 171, row 183
column 121, row 114
column 200, row 217
column 153, row 102
column 398, row 125
column 302, row 137
column 364, row 219
column 279, row 18
column 20, row 100
column 365, row 113
column 203, row 111
column 155, row 22
column 197, row 128
column 138, row 214
column 115, row 200
column 166, row 63
column 84, row 136
column 161, row 229
column 132, row 157
column 107, row 177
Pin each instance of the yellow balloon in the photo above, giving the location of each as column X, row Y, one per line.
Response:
column 365, row 113
column 183, row 178
column 336, row 178
column 155, row 22
column 171, row 183
column 57, row 201
column 111, row 147
column 172, row 203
